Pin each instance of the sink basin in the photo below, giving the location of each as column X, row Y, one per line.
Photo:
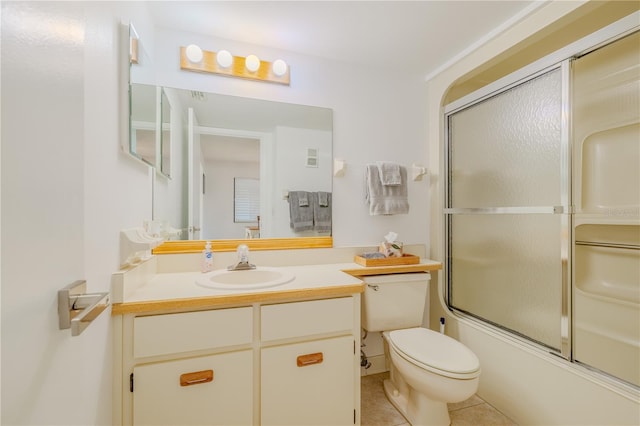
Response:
column 261, row 277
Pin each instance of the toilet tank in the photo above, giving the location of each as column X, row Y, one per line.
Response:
column 394, row 301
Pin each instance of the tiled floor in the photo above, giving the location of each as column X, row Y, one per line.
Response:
column 378, row 411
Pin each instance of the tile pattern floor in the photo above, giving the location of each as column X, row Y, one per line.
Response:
column 378, row 411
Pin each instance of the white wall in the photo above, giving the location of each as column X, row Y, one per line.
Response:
column 67, row 190
column 377, row 116
column 528, row 385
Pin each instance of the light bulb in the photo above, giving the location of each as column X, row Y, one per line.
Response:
column 224, row 58
column 252, row 63
column 279, row 67
column 194, row 53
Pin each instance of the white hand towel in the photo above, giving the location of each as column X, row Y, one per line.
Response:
column 389, row 173
column 385, row 199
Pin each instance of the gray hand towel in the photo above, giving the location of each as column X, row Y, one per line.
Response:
column 385, row 199
column 303, row 198
column 389, row 173
column 300, row 217
column 323, row 199
column 322, row 211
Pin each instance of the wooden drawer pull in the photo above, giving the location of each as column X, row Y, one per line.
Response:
column 309, row 359
column 196, row 378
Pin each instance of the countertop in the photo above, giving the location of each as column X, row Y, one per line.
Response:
column 174, row 292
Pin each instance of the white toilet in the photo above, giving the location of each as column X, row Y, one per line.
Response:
column 428, row 369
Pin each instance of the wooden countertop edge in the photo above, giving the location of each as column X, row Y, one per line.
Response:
column 196, row 303
column 155, row 306
column 400, row 269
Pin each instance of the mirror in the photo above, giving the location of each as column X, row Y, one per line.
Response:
column 165, row 135
column 142, row 123
column 150, row 124
column 212, row 142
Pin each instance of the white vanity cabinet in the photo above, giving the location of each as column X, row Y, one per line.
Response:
column 311, row 382
column 308, row 383
column 207, row 390
column 265, row 363
column 169, row 385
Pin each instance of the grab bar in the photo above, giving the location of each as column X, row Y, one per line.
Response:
column 608, row 245
column 510, row 210
column 77, row 309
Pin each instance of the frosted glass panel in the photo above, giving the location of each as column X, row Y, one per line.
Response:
column 506, row 269
column 506, row 143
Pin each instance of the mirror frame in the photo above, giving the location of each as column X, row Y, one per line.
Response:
column 196, row 246
column 165, row 145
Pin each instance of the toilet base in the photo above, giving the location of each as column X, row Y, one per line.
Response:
column 417, row 409
column 395, row 397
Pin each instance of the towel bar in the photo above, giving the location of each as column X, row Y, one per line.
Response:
column 77, row 309
column 340, row 165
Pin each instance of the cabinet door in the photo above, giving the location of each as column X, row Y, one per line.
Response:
column 211, row 390
column 310, row 383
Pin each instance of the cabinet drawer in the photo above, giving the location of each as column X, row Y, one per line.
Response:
column 297, row 319
column 192, row 331
column 209, row 390
column 310, row 383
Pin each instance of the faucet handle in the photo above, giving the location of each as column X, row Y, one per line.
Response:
column 243, row 253
column 243, row 259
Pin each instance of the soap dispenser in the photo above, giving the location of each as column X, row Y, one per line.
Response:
column 207, row 258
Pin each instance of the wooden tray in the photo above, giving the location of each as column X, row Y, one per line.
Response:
column 406, row 259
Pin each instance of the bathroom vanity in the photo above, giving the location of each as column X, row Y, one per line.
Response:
column 185, row 354
column 289, row 354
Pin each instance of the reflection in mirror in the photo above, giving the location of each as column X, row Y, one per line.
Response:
column 222, row 138
column 177, row 201
column 165, row 135
column 142, row 122
column 246, row 205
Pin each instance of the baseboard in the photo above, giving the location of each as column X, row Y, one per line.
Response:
column 378, row 365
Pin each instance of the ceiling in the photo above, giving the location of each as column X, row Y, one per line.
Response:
column 419, row 35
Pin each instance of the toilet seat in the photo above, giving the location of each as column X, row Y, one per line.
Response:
column 435, row 352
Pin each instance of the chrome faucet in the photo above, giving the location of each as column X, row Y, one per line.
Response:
column 243, row 260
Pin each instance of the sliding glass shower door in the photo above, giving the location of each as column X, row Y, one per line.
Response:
column 543, row 206
column 507, row 209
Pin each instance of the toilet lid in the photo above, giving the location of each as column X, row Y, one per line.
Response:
column 450, row 356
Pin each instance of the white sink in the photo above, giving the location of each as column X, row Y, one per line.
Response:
column 261, row 277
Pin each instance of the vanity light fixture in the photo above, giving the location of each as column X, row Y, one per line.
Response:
column 279, row 67
column 134, row 41
column 194, row 53
column 133, row 50
column 193, row 58
column 224, row 58
column 252, row 62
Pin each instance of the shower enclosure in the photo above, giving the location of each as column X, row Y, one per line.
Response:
column 543, row 206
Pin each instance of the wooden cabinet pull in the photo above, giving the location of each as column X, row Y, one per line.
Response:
column 196, row 378
column 309, row 359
